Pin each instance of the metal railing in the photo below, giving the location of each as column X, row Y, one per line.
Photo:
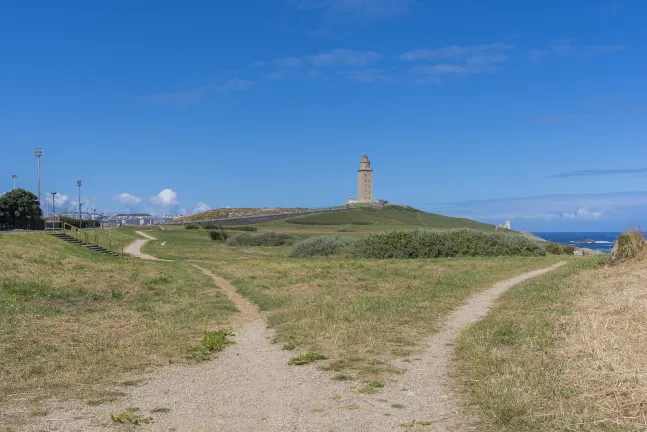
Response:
column 90, row 236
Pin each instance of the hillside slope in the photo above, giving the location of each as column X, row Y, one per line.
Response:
column 392, row 216
column 222, row 213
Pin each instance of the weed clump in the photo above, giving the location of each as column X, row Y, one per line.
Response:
column 212, row 341
column 263, row 239
column 130, row 416
column 218, row 235
column 306, row 358
column 191, row 226
column 322, row 246
column 630, row 244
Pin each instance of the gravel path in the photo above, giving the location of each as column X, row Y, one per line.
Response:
column 135, row 248
column 250, row 387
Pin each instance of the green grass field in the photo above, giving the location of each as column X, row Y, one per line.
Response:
column 359, row 313
column 367, row 219
column 72, row 320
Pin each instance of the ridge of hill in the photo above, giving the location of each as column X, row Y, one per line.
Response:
column 384, row 217
column 222, row 213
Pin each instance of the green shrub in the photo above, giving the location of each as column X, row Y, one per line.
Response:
column 211, row 226
column 630, row 244
column 263, row 239
column 452, row 243
column 554, row 248
column 191, row 226
column 322, row 246
column 218, row 235
column 569, row 250
column 249, row 228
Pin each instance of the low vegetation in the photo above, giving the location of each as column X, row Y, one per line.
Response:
column 558, row 249
column 306, row 358
column 322, row 246
column 555, row 354
column 631, row 244
column 218, row 235
column 249, row 228
column 74, row 319
column 362, row 313
column 421, row 244
column 262, row 239
column 212, row 341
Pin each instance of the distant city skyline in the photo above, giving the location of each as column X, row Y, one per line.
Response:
column 528, row 112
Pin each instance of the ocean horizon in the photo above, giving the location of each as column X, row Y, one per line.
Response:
column 602, row 241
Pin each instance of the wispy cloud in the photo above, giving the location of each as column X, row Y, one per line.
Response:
column 186, row 97
column 455, row 52
column 127, row 199
column 614, row 210
column 345, row 57
column 598, row 173
column 566, row 47
column 368, row 75
column 432, row 64
column 288, row 62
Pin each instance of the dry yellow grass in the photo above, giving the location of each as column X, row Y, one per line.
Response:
column 71, row 320
column 604, row 349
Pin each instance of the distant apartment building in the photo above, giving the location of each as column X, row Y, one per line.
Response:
column 170, row 218
column 140, row 219
column 84, row 215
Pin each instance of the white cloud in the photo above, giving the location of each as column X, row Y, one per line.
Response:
column 288, row 62
column 344, row 57
column 127, row 199
column 583, row 214
column 59, row 199
column 166, row 198
column 202, row 207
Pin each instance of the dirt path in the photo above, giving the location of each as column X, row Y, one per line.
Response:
column 135, row 248
column 250, row 387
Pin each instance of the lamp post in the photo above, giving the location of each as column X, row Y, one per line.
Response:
column 78, row 183
column 53, row 206
column 38, row 152
column 13, row 176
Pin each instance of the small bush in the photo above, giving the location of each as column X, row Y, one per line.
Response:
column 191, row 226
column 554, row 248
column 322, row 246
column 306, row 358
column 248, row 228
column 263, row 239
column 569, row 250
column 211, row 226
column 437, row 244
column 630, row 244
column 218, row 235
column 345, row 230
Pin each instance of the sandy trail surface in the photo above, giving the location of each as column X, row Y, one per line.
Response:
column 135, row 248
column 250, row 386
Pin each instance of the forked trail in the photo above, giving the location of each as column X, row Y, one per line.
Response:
column 250, row 387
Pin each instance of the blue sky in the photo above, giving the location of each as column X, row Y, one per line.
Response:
column 534, row 112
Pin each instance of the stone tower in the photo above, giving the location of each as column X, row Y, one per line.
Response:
column 365, row 180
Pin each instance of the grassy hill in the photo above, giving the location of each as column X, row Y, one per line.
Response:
column 236, row 212
column 377, row 218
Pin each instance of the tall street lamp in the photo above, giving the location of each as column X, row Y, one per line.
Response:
column 53, row 203
column 13, row 176
column 38, row 152
column 78, row 183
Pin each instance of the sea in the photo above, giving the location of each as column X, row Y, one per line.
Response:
column 602, row 241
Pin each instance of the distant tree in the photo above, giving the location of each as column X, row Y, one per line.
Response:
column 20, row 209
